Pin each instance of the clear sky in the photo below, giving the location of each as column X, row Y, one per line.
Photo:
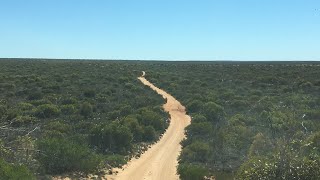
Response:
column 161, row 29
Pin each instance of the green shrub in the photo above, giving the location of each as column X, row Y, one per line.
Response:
column 151, row 118
column 14, row 172
column 200, row 129
column 86, row 109
column 274, row 168
column 58, row 126
column 313, row 114
column 149, row 134
column 198, row 118
column 192, row 172
column 60, row 156
column 68, row 100
column 261, row 145
column 125, row 110
column 3, row 111
column 35, row 95
column 90, row 93
column 47, row 111
column 195, row 106
column 23, row 120
column 68, row 109
column 135, row 128
column 213, row 112
column 40, row 102
column 112, row 137
column 12, row 113
column 8, row 86
column 24, row 106
column 197, row 151
column 115, row 160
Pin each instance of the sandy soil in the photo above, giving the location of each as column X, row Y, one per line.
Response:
column 160, row 161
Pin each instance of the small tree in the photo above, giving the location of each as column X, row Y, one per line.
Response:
column 86, row 109
column 135, row 128
column 261, row 145
column 196, row 152
column 195, row 106
column 149, row 134
column 151, row 118
column 213, row 112
column 199, row 118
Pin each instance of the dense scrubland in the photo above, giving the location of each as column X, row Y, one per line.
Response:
column 249, row 120
column 73, row 116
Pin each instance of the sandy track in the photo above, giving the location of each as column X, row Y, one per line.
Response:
column 160, row 161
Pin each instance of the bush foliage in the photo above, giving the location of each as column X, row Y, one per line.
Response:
column 76, row 115
column 246, row 116
column 241, row 113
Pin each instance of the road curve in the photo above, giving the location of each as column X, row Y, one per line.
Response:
column 160, row 161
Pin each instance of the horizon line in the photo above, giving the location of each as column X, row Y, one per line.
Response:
column 169, row 60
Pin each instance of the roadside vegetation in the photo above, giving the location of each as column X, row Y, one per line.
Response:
column 60, row 117
column 249, row 121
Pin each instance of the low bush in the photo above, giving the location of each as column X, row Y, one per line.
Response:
column 14, row 172
column 192, row 172
column 47, row 110
column 60, row 156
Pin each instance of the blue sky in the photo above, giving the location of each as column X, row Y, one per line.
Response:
column 161, row 29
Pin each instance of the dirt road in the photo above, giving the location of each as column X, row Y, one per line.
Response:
column 160, row 161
